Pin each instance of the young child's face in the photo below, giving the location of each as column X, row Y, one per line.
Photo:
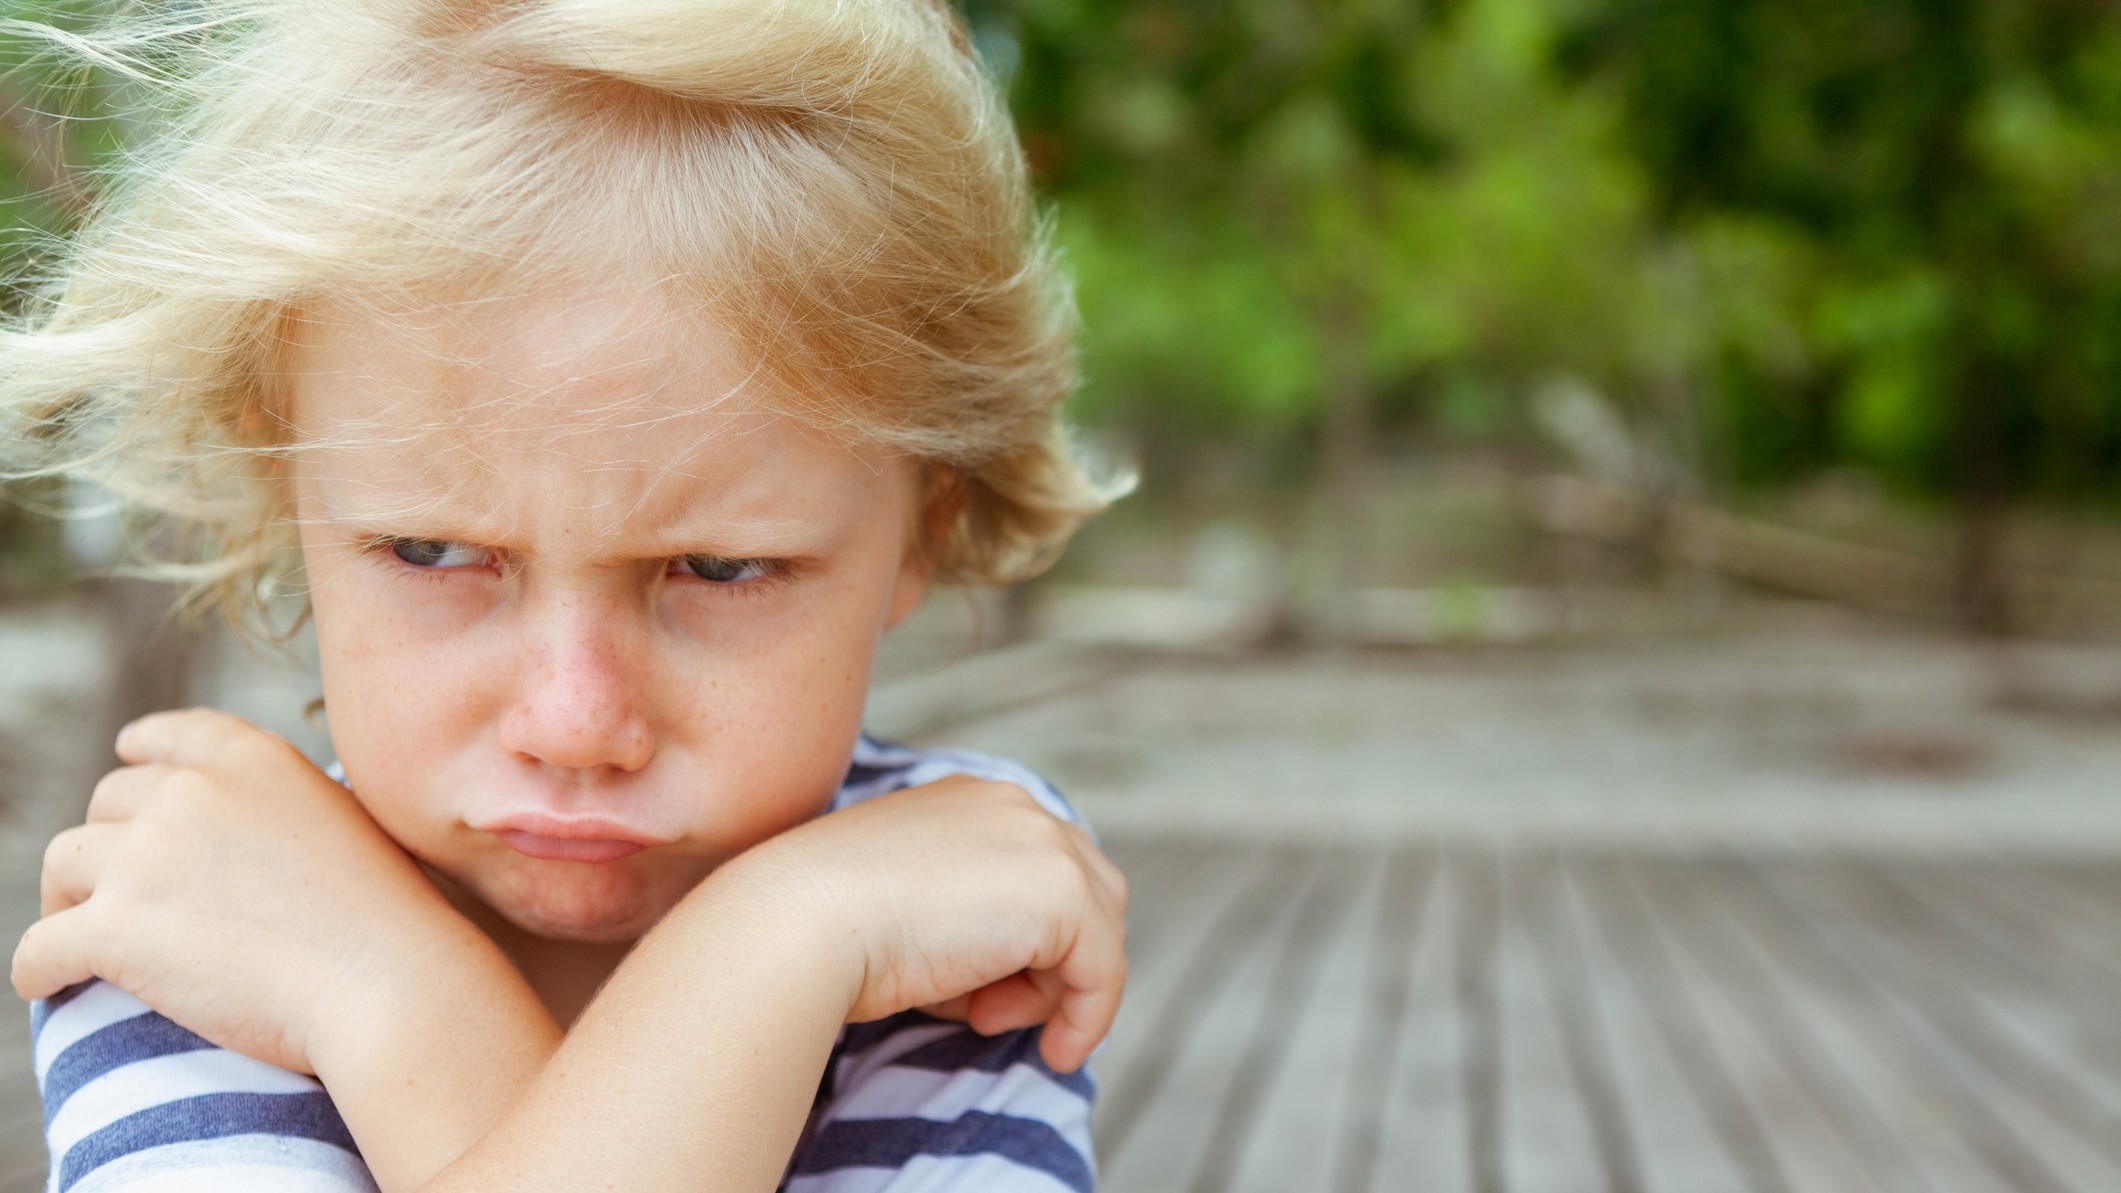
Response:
column 592, row 618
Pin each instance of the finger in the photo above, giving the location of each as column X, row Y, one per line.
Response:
column 1095, row 974
column 121, row 794
column 72, row 863
column 957, row 1010
column 55, row 953
column 186, row 737
column 1017, row 1001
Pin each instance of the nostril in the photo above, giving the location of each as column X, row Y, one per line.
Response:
column 561, row 725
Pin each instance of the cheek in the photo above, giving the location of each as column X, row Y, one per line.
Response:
column 397, row 706
column 801, row 675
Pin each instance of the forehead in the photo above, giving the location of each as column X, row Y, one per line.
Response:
column 603, row 410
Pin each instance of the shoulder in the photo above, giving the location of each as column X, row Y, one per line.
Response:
column 130, row 1096
column 880, row 767
column 917, row 1102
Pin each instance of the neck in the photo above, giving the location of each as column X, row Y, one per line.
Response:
column 564, row 974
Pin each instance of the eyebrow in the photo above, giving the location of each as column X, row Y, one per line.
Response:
column 733, row 537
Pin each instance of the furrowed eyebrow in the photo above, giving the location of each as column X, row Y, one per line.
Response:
column 736, row 537
column 780, row 543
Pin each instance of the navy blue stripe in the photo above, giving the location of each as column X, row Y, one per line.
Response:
column 857, row 1038
column 41, row 1010
column 992, row 1054
column 142, row 1037
column 892, row 1142
column 862, row 775
column 208, row 1116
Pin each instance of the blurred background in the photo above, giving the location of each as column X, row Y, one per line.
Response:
column 1612, row 677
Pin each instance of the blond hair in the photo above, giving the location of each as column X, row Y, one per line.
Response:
column 833, row 180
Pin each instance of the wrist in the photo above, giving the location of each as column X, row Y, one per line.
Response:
column 430, row 967
column 426, row 1047
column 809, row 916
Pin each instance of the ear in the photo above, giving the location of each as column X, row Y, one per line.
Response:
column 940, row 501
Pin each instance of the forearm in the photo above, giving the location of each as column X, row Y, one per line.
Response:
column 424, row 1061
column 694, row 1068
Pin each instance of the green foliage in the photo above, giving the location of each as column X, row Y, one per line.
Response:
column 1875, row 232
column 1948, row 170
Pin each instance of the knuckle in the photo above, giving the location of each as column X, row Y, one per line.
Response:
column 106, row 788
column 58, row 849
column 250, row 747
column 189, row 783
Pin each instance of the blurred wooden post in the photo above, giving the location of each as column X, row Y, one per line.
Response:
column 1980, row 581
column 1344, row 455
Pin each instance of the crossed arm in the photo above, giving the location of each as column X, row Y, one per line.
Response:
column 959, row 893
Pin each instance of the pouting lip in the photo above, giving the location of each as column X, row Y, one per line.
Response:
column 567, row 828
column 561, row 849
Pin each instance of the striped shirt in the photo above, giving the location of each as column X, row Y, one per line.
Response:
column 134, row 1102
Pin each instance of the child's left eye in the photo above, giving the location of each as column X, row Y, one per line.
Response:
column 717, row 569
column 438, row 553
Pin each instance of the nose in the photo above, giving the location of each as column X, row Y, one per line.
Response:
column 578, row 704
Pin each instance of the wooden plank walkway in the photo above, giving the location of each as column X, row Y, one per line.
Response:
column 1353, row 1020
column 1458, row 1021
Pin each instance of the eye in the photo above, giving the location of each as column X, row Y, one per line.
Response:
column 717, row 569
column 439, row 553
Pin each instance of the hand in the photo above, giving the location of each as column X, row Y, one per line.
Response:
column 228, row 883
column 966, row 898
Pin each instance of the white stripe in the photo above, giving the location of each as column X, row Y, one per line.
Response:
column 854, row 1064
column 915, row 767
column 939, row 763
column 131, row 1088
column 236, row 1164
column 934, row 1174
column 93, row 1010
column 1020, row 1091
column 869, row 752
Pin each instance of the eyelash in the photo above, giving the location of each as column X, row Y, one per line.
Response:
column 383, row 547
column 773, row 572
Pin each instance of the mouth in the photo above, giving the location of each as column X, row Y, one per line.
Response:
column 552, row 838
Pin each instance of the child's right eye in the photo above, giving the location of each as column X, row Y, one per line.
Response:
column 438, row 553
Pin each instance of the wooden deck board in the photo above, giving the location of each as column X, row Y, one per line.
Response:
column 2048, row 1132
column 1550, row 1131
column 1816, row 1127
column 1160, row 1138
column 1423, row 1119
column 1644, row 943
column 1306, row 1089
column 1632, row 1024
column 1661, row 1116
column 1405, row 881
column 1942, row 1094
column 1229, row 898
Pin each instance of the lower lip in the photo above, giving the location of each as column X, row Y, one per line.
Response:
column 562, row 849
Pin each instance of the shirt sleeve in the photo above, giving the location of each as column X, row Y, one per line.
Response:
column 881, row 767
column 915, row 1104
column 134, row 1102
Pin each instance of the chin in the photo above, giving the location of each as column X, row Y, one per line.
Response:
column 575, row 901
column 598, row 930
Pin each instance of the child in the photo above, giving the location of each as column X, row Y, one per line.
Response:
column 610, row 374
